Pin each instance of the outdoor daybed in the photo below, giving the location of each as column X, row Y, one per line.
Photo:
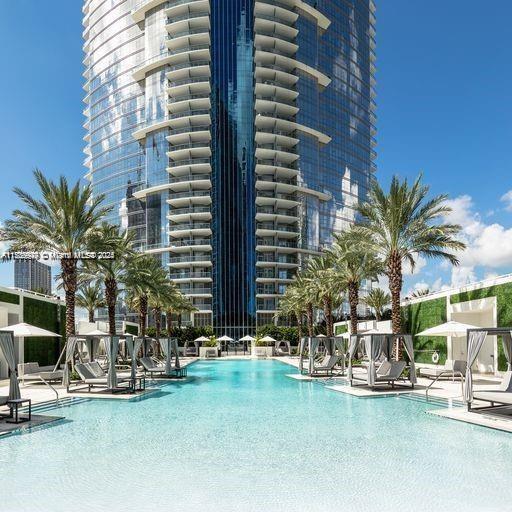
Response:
column 501, row 396
column 450, row 370
column 327, row 366
column 378, row 346
column 31, row 372
column 89, row 377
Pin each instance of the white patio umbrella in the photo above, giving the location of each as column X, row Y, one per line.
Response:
column 268, row 339
column 24, row 330
column 321, row 336
column 247, row 338
column 451, row 328
column 202, row 338
column 225, row 338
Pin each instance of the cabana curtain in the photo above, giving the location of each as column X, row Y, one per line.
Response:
column 373, row 347
column 409, row 348
column 352, row 347
column 133, row 345
column 7, row 347
column 175, row 349
column 507, row 348
column 166, row 349
column 475, row 342
column 111, row 349
column 70, row 351
column 313, row 345
column 301, row 351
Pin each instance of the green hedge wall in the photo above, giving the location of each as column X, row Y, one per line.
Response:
column 9, row 298
column 46, row 315
column 421, row 316
column 132, row 329
column 503, row 294
column 340, row 329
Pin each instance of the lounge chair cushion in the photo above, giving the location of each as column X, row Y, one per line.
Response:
column 392, row 370
column 96, row 369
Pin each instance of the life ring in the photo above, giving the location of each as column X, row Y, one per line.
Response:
column 435, row 357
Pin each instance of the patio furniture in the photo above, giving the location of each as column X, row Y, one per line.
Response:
column 451, row 369
column 31, row 372
column 14, row 406
column 327, row 365
column 151, row 367
column 89, row 378
column 389, row 372
column 501, row 396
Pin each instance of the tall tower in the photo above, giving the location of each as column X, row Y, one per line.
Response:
column 233, row 136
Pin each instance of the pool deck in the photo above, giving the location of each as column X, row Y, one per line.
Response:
column 446, row 390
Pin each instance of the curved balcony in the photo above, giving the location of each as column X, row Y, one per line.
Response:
column 275, row 167
column 267, row 121
column 188, row 102
column 275, row 138
column 301, row 7
column 188, row 39
column 193, row 166
column 190, row 260
column 186, row 245
column 190, row 229
column 191, row 21
column 276, row 199
column 283, row 216
column 143, row 193
column 275, row 44
column 195, row 181
column 271, row 90
column 289, row 65
column 274, row 277
column 276, row 260
column 189, row 151
column 149, row 127
column 151, row 64
column 276, row 152
column 271, row 26
column 197, row 292
column 189, row 72
column 284, row 15
column 190, row 214
column 190, row 197
column 185, row 118
column 273, row 108
column 190, row 84
column 266, row 229
column 190, row 134
column 275, row 75
column 179, row 7
column 191, row 276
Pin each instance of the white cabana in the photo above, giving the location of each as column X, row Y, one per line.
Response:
column 133, row 346
column 332, row 346
column 476, row 338
column 376, row 347
column 451, row 328
column 170, row 346
column 111, row 348
column 24, row 330
column 286, row 351
column 7, row 349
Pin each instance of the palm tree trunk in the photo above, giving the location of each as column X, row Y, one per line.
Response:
column 309, row 318
column 353, row 300
column 158, row 321
column 168, row 320
column 395, row 287
column 299, row 325
column 143, row 315
column 91, row 316
column 69, row 279
column 328, row 315
column 111, row 300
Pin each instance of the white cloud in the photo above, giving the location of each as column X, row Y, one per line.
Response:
column 507, row 199
column 421, row 263
column 488, row 245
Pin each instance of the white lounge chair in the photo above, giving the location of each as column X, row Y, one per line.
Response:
column 31, row 372
column 451, row 370
column 327, row 365
column 501, row 396
column 90, row 378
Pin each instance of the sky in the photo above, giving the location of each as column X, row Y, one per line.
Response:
column 444, row 87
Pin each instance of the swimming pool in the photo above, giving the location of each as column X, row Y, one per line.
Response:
column 241, row 436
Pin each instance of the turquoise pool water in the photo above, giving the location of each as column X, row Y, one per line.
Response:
column 241, row 436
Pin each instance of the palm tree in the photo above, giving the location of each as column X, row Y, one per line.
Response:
column 144, row 276
column 352, row 264
column 307, row 295
column 327, row 288
column 161, row 299
column 182, row 305
column 112, row 271
column 377, row 299
column 419, row 293
column 291, row 304
column 401, row 225
column 90, row 297
column 60, row 222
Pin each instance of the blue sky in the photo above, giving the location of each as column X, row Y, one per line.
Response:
column 444, row 107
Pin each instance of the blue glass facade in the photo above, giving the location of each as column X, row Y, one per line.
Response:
column 233, row 136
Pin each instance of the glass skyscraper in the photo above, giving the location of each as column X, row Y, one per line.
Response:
column 233, row 136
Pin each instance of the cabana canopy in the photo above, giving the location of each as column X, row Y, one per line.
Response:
column 376, row 346
column 476, row 338
column 7, row 348
column 331, row 344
